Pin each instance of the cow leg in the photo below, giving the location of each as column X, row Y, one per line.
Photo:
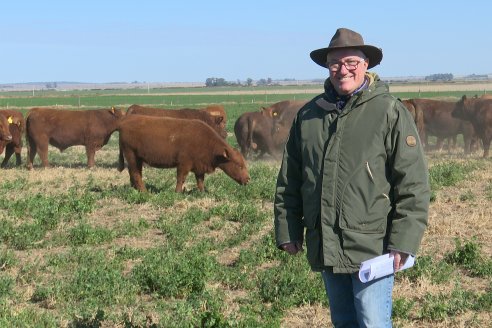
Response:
column 9, row 150
column 18, row 158
column 486, row 146
column 467, row 144
column 31, row 152
column 439, row 143
column 91, row 153
column 42, row 149
column 135, row 171
column 181, row 173
column 200, row 181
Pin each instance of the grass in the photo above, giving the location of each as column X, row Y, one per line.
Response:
column 81, row 248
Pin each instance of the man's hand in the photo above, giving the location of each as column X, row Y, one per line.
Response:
column 399, row 259
column 292, row 248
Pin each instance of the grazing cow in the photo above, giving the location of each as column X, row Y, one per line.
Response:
column 17, row 125
column 5, row 135
column 438, row 121
column 253, row 131
column 188, row 145
column 479, row 112
column 283, row 114
column 66, row 128
column 187, row 113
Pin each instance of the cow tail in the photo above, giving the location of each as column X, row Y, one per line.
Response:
column 121, row 159
column 251, row 126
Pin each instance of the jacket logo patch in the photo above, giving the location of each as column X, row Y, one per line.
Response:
column 411, row 141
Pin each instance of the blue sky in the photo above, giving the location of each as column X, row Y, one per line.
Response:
column 191, row 40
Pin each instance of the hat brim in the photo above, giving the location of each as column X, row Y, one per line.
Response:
column 374, row 54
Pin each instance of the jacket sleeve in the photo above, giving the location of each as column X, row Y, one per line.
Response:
column 288, row 210
column 410, row 184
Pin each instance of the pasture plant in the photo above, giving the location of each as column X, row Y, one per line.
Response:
column 468, row 256
column 7, row 259
column 426, row 266
column 168, row 272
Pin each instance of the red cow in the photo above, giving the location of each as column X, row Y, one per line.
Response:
column 216, row 122
column 5, row 135
column 17, row 125
column 188, row 145
column 438, row 121
column 66, row 128
column 283, row 114
column 479, row 112
column 253, row 131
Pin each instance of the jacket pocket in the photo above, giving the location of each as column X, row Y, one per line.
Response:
column 365, row 203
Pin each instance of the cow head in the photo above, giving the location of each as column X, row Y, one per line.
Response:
column 117, row 113
column 463, row 108
column 232, row 162
column 4, row 129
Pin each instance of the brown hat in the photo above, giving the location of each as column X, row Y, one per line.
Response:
column 348, row 39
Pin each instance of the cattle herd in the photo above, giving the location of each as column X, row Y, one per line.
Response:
column 194, row 140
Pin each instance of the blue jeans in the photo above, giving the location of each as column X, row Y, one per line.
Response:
column 356, row 304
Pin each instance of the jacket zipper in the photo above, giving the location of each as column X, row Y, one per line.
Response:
column 369, row 171
column 372, row 178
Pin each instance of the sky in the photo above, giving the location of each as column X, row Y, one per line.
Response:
column 191, row 40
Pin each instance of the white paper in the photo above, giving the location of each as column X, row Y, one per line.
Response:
column 381, row 266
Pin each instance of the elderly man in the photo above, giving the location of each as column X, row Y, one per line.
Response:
column 353, row 183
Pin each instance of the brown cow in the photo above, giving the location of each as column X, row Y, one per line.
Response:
column 253, row 131
column 188, row 145
column 479, row 112
column 5, row 135
column 283, row 114
column 66, row 128
column 17, row 125
column 438, row 121
column 187, row 113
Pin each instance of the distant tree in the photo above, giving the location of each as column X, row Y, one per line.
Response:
column 261, row 82
column 440, row 77
column 249, row 81
column 215, row 82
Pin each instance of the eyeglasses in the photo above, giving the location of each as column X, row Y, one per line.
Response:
column 349, row 65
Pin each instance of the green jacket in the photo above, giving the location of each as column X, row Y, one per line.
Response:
column 355, row 182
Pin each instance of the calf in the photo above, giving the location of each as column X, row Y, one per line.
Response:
column 66, row 128
column 17, row 125
column 188, row 145
column 186, row 113
column 479, row 112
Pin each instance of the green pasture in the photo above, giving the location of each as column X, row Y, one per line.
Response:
column 81, row 248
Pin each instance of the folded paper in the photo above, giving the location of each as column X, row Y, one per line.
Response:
column 381, row 266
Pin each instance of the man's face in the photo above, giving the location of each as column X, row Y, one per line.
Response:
column 347, row 69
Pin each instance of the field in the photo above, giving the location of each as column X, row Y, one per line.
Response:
column 81, row 248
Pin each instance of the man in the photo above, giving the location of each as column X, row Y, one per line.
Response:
column 353, row 182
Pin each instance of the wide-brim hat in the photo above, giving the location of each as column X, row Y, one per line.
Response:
column 348, row 39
